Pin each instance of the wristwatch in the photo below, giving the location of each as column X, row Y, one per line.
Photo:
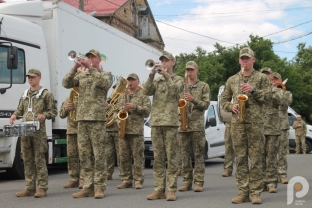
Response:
column 253, row 90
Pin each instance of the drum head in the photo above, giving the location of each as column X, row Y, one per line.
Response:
column 19, row 130
column 8, row 131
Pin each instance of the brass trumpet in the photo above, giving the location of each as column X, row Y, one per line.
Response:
column 72, row 56
column 150, row 64
column 281, row 85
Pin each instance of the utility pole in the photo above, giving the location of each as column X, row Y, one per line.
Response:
column 81, row 5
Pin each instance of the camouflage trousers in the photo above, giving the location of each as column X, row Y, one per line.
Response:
column 111, row 148
column 229, row 152
column 132, row 146
column 192, row 143
column 283, row 146
column 247, row 143
column 91, row 151
column 269, row 158
column 73, row 165
column 34, row 149
column 300, row 140
column 165, row 143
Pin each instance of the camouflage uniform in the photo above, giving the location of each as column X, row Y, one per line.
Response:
column 301, row 130
column 248, row 136
column 93, row 86
column 229, row 152
column 132, row 145
column 193, row 139
column 72, row 144
column 271, row 133
column 164, row 128
column 34, row 148
column 283, row 145
column 112, row 148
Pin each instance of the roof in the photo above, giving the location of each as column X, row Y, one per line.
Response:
column 101, row 7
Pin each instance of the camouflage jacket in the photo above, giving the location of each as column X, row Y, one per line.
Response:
column 196, row 109
column 42, row 105
column 141, row 110
column 283, row 114
column 166, row 92
column 93, row 87
column 71, row 126
column 271, row 113
column 300, row 128
column 254, row 105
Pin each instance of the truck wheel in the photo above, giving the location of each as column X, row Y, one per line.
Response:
column 309, row 146
column 17, row 170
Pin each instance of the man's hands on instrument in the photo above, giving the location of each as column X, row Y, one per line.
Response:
column 188, row 97
column 12, row 119
column 128, row 106
column 235, row 108
column 245, row 87
column 69, row 106
column 41, row 117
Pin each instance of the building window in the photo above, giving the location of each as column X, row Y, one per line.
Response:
column 133, row 14
column 143, row 26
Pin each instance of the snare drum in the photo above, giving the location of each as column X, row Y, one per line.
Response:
column 29, row 129
column 19, row 130
column 8, row 130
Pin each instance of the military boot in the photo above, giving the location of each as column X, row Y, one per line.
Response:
column 124, row 185
column 240, row 199
column 198, row 188
column 255, row 199
column 284, row 180
column 185, row 187
column 40, row 193
column 138, row 186
column 25, row 192
column 226, row 173
column 156, row 195
column 83, row 193
column 99, row 193
column 304, row 152
column 80, row 185
column 171, row 196
column 71, row 184
column 272, row 189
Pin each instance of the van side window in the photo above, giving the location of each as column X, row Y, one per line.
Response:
column 291, row 119
column 18, row 75
column 211, row 117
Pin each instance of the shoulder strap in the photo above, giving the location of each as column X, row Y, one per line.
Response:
column 40, row 92
column 25, row 94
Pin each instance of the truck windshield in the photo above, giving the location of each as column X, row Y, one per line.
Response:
column 18, row 74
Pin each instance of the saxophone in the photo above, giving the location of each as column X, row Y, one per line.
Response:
column 73, row 98
column 122, row 116
column 183, row 107
column 242, row 98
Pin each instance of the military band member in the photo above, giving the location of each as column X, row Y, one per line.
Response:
column 229, row 152
column 300, row 131
column 164, row 126
column 197, row 95
column 131, row 146
column 73, row 165
column 271, row 134
column 283, row 145
column 41, row 103
column 248, row 135
column 93, row 86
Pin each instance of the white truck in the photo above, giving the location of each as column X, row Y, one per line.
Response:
column 226, row 117
column 39, row 34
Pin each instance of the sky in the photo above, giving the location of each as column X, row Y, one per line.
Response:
column 187, row 24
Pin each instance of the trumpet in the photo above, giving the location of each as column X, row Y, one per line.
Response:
column 72, row 56
column 281, row 85
column 150, row 64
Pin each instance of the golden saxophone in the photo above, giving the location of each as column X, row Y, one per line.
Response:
column 183, row 107
column 241, row 98
column 73, row 98
column 122, row 116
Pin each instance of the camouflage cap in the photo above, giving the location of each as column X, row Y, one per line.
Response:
column 246, row 52
column 33, row 73
column 94, row 52
column 277, row 75
column 167, row 55
column 266, row 69
column 133, row 76
column 191, row 65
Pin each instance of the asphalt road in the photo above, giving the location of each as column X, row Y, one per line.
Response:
column 218, row 191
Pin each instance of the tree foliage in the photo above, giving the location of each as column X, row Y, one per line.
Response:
column 217, row 66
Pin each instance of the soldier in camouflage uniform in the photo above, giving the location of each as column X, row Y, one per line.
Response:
column 131, row 146
column 300, row 131
column 229, row 152
column 247, row 136
column 283, row 145
column 93, row 86
column 35, row 147
column 271, row 134
column 164, row 126
column 72, row 146
column 192, row 141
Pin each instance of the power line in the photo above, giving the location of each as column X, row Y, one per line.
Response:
column 295, row 38
column 288, row 28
